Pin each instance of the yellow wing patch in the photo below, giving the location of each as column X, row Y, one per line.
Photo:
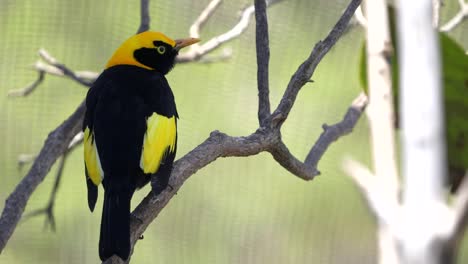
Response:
column 161, row 133
column 91, row 157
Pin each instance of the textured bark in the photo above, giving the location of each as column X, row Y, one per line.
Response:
column 263, row 60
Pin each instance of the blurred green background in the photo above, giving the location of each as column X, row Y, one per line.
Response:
column 236, row 210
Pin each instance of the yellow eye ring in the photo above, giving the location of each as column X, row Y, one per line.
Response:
column 161, row 50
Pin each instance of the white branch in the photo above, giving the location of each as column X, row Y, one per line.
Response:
column 460, row 210
column 202, row 18
column 458, row 18
column 380, row 109
column 380, row 189
column 360, row 18
column 199, row 50
column 423, row 137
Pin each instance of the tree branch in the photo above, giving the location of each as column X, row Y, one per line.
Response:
column 55, row 145
column 48, row 210
column 53, row 67
column 202, row 19
column 263, row 60
column 63, row 69
column 332, row 133
column 307, row 170
column 307, row 68
column 199, row 50
column 461, row 15
column 144, row 16
column 381, row 188
column 460, row 210
column 29, row 88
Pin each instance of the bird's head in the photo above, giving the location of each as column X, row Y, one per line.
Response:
column 150, row 50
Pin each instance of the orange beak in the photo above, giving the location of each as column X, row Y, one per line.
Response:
column 182, row 43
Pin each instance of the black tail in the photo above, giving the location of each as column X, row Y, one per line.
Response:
column 115, row 225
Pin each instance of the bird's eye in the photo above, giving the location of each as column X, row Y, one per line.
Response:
column 161, row 49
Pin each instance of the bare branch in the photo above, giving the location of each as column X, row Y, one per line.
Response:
column 332, row 133
column 48, row 210
column 53, row 67
column 383, row 202
column 200, row 50
column 458, row 18
column 85, row 76
column 29, row 88
column 436, row 12
column 65, row 70
column 283, row 156
column 380, row 111
column 144, row 16
column 307, row 68
column 225, row 55
column 308, row 170
column 460, row 208
column 202, row 18
column 380, row 189
column 360, row 18
column 24, row 159
column 263, row 60
column 55, row 145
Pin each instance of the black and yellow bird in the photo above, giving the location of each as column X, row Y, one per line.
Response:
column 130, row 132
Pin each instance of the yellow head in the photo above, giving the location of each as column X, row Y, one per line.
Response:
column 149, row 50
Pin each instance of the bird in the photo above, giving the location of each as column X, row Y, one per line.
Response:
column 130, row 132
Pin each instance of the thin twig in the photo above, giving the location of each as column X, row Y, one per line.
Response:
column 24, row 159
column 307, row 170
column 381, row 188
column 202, row 18
column 332, row 133
column 307, row 68
column 263, row 60
column 380, row 112
column 436, row 12
column 144, row 16
column 48, row 210
column 55, row 145
column 53, row 67
column 360, row 18
column 460, row 209
column 29, row 88
column 66, row 71
column 214, row 43
column 85, row 76
column 461, row 15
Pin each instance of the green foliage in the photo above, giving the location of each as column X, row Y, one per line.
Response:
column 455, row 80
